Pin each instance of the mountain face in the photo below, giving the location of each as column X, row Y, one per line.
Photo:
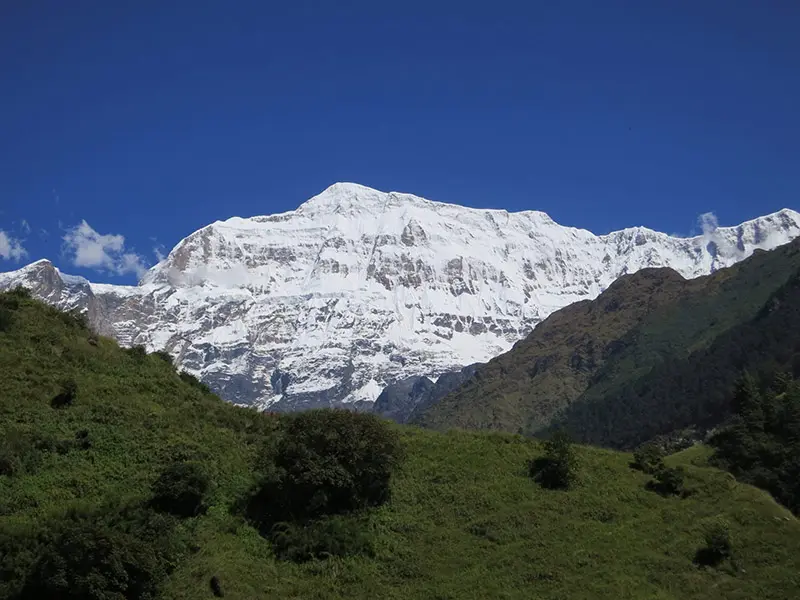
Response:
column 358, row 289
column 408, row 398
column 652, row 354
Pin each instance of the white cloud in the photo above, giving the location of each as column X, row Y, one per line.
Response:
column 159, row 252
column 25, row 226
column 708, row 223
column 101, row 252
column 11, row 248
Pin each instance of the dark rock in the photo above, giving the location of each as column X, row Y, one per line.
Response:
column 403, row 400
column 216, row 587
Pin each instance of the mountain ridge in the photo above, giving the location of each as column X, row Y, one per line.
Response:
column 646, row 332
column 357, row 289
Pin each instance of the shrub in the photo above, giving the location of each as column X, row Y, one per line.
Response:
column 330, row 536
column 75, row 318
column 335, row 461
column 9, row 463
column 66, row 397
column 82, row 439
column 21, row 452
column 558, row 468
column 164, row 355
column 718, row 546
column 668, row 482
column 137, row 352
column 648, row 458
column 20, row 292
column 180, row 489
column 6, row 319
column 194, row 382
column 91, row 560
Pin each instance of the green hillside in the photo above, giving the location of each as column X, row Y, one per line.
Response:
column 87, row 429
column 595, row 352
column 696, row 390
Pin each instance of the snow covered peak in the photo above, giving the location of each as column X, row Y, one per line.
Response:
column 358, row 288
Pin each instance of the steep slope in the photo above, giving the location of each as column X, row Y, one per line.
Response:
column 696, row 390
column 358, row 289
column 592, row 350
column 402, row 400
column 464, row 520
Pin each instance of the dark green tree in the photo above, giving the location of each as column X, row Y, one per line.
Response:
column 65, row 397
column 335, row 461
column 558, row 468
column 90, row 561
column 648, row 458
column 748, row 403
column 718, row 545
column 180, row 489
column 668, row 481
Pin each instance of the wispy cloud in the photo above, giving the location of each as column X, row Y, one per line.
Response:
column 11, row 248
column 708, row 222
column 88, row 248
column 159, row 252
column 25, row 227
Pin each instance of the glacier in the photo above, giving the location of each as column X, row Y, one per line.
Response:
column 357, row 289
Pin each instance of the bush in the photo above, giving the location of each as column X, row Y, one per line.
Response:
column 558, row 468
column 82, row 439
column 331, row 536
column 20, row 292
column 75, row 318
column 21, row 452
column 6, row 319
column 334, row 461
column 164, row 355
column 137, row 352
column 194, row 382
column 66, row 397
column 668, row 482
column 9, row 463
column 718, row 546
column 648, row 458
column 180, row 490
column 91, row 560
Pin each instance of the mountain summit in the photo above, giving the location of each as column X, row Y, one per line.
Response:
column 358, row 288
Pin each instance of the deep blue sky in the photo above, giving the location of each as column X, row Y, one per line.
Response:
column 151, row 119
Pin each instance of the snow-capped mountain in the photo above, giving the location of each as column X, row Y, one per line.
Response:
column 358, row 288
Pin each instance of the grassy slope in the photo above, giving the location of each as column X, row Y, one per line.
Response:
column 590, row 350
column 464, row 522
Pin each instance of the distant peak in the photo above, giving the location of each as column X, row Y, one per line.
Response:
column 343, row 194
column 42, row 262
column 348, row 187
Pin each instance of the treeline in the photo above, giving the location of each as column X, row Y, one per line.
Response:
column 761, row 443
column 697, row 391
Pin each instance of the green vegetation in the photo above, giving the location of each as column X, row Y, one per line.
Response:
column 181, row 489
column 697, row 390
column 719, row 546
column 139, row 488
column 325, row 464
column 761, row 443
column 648, row 458
column 558, row 468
